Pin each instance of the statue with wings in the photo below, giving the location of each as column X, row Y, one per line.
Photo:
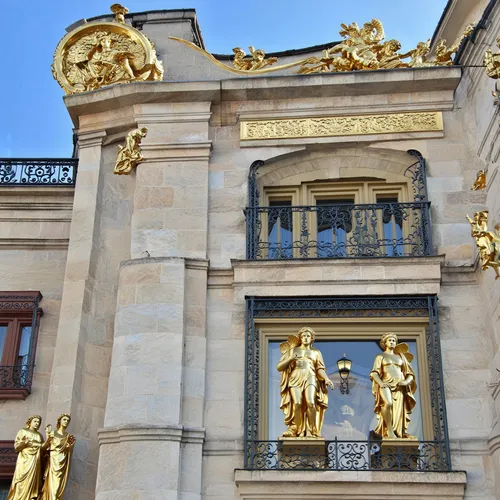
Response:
column 304, row 385
column 393, row 386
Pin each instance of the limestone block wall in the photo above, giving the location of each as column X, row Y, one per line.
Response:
column 34, row 232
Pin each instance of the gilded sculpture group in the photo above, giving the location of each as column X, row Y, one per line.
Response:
column 304, row 387
column 42, row 466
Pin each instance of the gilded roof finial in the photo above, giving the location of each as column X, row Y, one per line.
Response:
column 119, row 11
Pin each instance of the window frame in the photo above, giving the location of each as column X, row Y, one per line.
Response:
column 17, row 310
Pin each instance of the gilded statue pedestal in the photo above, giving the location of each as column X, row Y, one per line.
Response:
column 397, row 454
column 302, row 452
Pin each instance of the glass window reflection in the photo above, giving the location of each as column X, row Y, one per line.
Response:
column 349, row 416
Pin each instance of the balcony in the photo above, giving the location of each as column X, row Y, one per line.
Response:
column 15, row 381
column 339, row 231
column 38, row 172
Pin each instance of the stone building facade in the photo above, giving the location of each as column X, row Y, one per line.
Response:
column 165, row 291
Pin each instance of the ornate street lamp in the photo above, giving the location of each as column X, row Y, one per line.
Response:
column 344, row 366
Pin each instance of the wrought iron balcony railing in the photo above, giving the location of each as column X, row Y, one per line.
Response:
column 339, row 231
column 422, row 456
column 16, row 378
column 38, row 172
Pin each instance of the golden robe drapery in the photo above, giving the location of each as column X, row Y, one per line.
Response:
column 27, row 479
column 57, row 470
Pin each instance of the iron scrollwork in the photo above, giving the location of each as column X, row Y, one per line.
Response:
column 38, row 172
column 346, row 455
column 341, row 231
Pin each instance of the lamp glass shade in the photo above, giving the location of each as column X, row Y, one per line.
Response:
column 344, row 365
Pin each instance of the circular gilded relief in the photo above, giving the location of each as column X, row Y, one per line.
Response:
column 97, row 54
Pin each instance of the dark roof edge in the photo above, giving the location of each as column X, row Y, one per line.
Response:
column 136, row 22
column 284, row 53
column 481, row 25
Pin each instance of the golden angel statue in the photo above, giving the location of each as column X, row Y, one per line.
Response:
column 444, row 53
column 257, row 61
column 60, row 449
column 480, row 182
column 304, row 383
column 393, row 386
column 492, row 63
column 29, row 445
column 487, row 242
column 130, row 154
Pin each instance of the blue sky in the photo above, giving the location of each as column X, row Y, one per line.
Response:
column 34, row 120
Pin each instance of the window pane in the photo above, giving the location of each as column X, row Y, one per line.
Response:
column 3, row 335
column 280, row 229
column 24, row 346
column 392, row 220
column 334, row 223
column 4, row 489
column 348, row 416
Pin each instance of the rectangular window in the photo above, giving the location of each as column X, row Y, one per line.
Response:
column 391, row 217
column 19, row 320
column 280, row 230
column 334, row 226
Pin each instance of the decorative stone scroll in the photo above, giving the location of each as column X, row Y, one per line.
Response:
column 330, row 126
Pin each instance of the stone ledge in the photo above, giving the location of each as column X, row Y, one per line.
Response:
column 355, row 485
column 178, row 433
column 381, row 276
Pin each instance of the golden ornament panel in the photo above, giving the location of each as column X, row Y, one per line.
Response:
column 331, row 126
column 98, row 54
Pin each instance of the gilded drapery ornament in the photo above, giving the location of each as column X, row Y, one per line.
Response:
column 29, row 445
column 60, row 449
column 304, row 385
column 487, row 241
column 362, row 49
column 98, row 54
column 130, row 154
column 393, row 387
column 480, row 182
column 492, row 63
column 257, row 61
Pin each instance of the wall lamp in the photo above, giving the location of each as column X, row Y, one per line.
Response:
column 344, row 365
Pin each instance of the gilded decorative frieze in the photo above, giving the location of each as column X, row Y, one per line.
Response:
column 330, row 126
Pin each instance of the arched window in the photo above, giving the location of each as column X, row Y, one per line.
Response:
column 382, row 213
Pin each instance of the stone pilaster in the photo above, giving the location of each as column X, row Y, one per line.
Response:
column 153, row 425
column 68, row 371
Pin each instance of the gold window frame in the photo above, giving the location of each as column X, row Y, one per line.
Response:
column 347, row 329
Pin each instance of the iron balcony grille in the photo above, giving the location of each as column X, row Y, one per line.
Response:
column 338, row 455
column 339, row 231
column 17, row 377
column 38, row 172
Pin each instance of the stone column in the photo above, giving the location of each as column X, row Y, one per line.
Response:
column 151, row 445
column 65, row 394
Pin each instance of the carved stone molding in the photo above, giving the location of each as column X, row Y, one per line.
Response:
column 330, row 126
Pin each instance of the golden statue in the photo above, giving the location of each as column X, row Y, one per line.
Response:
column 492, row 63
column 443, row 53
column 480, row 182
column 60, row 449
column 304, row 382
column 393, row 386
column 97, row 54
column 130, row 154
column 29, row 445
column 487, row 242
column 362, row 49
column 257, row 61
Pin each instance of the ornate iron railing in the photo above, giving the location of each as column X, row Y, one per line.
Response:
column 338, row 455
column 339, row 231
column 38, row 172
column 16, row 377
column 346, row 455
